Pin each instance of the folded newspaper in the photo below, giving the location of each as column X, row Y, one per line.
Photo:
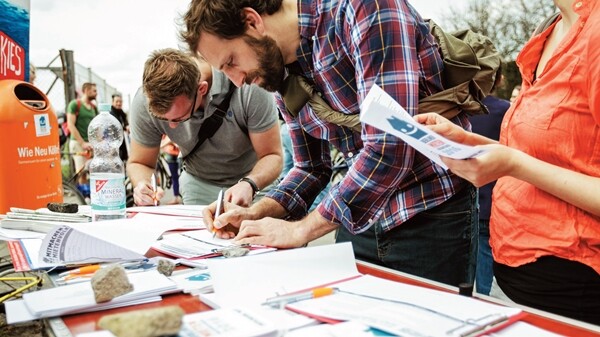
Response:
column 39, row 220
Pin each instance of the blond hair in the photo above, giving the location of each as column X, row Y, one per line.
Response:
column 169, row 73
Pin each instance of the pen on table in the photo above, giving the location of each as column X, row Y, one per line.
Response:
column 220, row 207
column 94, row 267
column 86, row 273
column 281, row 301
column 153, row 182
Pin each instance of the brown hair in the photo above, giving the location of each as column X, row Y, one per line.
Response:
column 87, row 85
column 223, row 18
column 169, row 73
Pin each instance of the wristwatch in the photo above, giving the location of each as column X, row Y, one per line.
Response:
column 252, row 184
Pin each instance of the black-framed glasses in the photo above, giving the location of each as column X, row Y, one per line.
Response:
column 182, row 119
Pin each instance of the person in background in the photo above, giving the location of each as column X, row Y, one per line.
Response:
column 488, row 126
column 396, row 207
column 32, row 73
column 545, row 221
column 515, row 93
column 180, row 94
column 116, row 110
column 80, row 113
column 171, row 152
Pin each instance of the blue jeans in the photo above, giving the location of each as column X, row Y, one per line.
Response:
column 439, row 244
column 485, row 261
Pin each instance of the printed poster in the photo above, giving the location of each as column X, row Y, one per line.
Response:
column 14, row 39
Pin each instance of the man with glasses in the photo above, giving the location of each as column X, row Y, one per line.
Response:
column 179, row 95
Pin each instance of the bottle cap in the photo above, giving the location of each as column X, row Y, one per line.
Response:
column 465, row 289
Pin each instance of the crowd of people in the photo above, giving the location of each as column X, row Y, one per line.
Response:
column 523, row 219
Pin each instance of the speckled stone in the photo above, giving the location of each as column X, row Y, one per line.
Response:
column 144, row 323
column 110, row 282
column 165, row 267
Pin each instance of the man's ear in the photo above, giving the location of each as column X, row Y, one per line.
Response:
column 203, row 87
column 253, row 20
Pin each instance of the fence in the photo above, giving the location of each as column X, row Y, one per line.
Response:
column 50, row 80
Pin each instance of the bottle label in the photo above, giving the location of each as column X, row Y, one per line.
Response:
column 107, row 192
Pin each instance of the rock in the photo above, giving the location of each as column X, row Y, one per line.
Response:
column 165, row 267
column 62, row 207
column 110, row 282
column 144, row 323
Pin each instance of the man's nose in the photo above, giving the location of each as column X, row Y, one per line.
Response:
column 237, row 77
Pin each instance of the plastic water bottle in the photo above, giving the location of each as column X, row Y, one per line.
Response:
column 107, row 171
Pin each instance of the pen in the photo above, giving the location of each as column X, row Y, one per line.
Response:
column 220, row 207
column 281, row 301
column 153, row 181
column 80, row 271
column 94, row 267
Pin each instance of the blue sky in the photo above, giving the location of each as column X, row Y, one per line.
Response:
column 114, row 37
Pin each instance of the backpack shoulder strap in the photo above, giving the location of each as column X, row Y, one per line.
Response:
column 94, row 108
column 546, row 23
column 77, row 107
column 213, row 123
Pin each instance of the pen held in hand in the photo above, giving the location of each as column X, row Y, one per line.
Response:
column 220, row 208
column 153, row 182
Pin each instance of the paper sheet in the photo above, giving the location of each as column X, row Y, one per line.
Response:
column 405, row 310
column 381, row 111
column 251, row 280
column 79, row 297
column 174, row 210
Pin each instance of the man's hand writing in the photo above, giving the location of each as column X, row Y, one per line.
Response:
column 227, row 224
column 143, row 195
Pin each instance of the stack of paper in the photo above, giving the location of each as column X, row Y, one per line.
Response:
column 195, row 281
column 91, row 242
column 406, row 310
column 249, row 281
column 198, row 244
column 243, row 322
column 79, row 297
column 194, row 211
column 41, row 220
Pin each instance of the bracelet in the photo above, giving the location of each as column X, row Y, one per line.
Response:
column 252, row 184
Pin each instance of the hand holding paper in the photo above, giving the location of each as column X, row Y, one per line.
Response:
column 493, row 164
column 381, row 111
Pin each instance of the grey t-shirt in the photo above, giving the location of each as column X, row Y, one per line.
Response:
column 228, row 155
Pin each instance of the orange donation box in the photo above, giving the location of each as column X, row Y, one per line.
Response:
column 30, row 174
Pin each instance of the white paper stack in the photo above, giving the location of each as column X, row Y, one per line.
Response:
column 79, row 297
column 195, row 281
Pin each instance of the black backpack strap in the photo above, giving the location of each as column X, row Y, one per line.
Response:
column 213, row 123
column 546, row 23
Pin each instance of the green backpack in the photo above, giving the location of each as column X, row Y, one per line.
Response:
column 470, row 65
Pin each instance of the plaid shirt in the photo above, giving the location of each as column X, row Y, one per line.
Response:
column 346, row 47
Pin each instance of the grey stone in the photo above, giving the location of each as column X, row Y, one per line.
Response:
column 165, row 267
column 110, row 282
column 144, row 323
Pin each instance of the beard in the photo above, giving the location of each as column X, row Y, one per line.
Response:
column 270, row 66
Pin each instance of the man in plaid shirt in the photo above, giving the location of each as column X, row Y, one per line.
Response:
column 398, row 208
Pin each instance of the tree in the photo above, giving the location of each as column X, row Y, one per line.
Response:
column 508, row 23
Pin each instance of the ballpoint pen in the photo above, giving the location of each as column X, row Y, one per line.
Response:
column 281, row 301
column 220, row 207
column 90, row 269
column 153, row 182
